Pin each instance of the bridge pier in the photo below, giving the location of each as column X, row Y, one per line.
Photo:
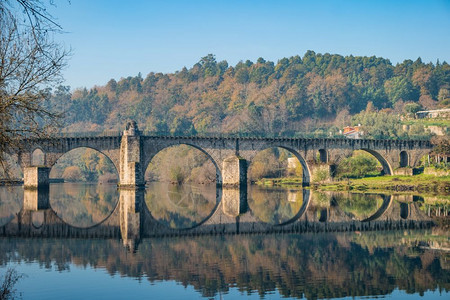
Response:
column 131, row 201
column 36, row 177
column 36, row 199
column 234, row 182
column 234, row 172
column 234, row 201
column 130, row 171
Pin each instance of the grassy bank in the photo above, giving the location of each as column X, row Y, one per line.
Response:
column 418, row 183
column 428, row 122
column 282, row 182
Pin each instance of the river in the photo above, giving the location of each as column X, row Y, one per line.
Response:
column 78, row 240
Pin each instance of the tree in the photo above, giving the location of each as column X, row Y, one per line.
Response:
column 73, row 173
column 444, row 96
column 9, row 280
column 400, row 88
column 411, row 108
column 358, row 165
column 441, row 145
column 31, row 61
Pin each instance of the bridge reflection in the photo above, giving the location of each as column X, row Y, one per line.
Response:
column 131, row 220
column 297, row 266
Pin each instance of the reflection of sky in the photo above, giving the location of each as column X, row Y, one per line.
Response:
column 95, row 283
column 92, row 283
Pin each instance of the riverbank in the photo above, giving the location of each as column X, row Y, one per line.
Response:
column 418, row 183
column 422, row 183
column 281, row 182
column 8, row 182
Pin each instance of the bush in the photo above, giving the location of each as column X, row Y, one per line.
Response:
column 359, row 165
column 7, row 290
column 321, row 174
column 108, row 178
column 177, row 175
column 73, row 173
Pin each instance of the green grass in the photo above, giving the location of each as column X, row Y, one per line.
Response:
column 284, row 181
column 425, row 184
column 428, row 122
column 417, row 183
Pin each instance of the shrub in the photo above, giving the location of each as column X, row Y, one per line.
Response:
column 7, row 290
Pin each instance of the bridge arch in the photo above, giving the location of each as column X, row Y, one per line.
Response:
column 387, row 168
column 404, row 159
column 150, row 220
column 323, row 215
column 323, row 156
column 57, row 158
column 149, row 158
column 306, row 176
column 404, row 210
column 189, row 205
column 53, row 162
column 38, row 157
column 387, row 202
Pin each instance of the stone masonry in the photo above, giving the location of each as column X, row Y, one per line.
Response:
column 132, row 152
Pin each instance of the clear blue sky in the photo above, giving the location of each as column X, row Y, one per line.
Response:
column 114, row 39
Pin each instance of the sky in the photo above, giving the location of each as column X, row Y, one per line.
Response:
column 115, row 39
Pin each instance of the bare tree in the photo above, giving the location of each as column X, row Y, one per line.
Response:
column 7, row 290
column 31, row 62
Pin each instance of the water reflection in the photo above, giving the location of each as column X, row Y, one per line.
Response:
column 181, row 206
column 274, row 205
column 11, row 199
column 301, row 262
column 163, row 210
column 299, row 266
column 83, row 204
column 359, row 206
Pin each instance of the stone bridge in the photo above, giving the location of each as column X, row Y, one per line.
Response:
column 132, row 152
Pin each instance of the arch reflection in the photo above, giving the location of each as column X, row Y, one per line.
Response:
column 82, row 204
column 273, row 205
column 181, row 206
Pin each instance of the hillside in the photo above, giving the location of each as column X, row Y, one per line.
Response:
column 313, row 93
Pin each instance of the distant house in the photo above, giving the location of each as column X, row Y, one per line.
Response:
column 437, row 113
column 353, row 132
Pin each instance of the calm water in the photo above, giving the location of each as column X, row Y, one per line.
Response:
column 69, row 241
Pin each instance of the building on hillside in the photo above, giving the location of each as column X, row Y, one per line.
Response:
column 353, row 132
column 437, row 113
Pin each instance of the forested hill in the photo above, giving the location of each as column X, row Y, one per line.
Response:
column 296, row 94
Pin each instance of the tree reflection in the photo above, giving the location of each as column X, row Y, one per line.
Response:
column 359, row 206
column 180, row 206
column 274, row 205
column 81, row 204
column 310, row 265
